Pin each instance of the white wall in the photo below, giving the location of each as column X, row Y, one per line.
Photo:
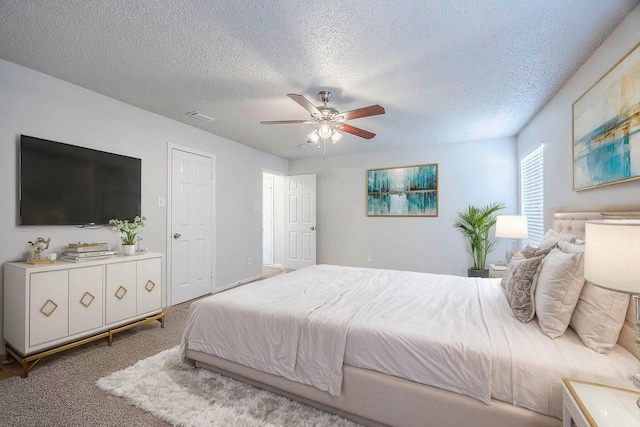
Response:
column 39, row 105
column 553, row 125
column 477, row 173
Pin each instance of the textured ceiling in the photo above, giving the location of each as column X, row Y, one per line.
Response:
column 445, row 71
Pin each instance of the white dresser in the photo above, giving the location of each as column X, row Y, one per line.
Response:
column 49, row 306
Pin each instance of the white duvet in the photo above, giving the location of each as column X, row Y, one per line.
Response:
column 450, row 332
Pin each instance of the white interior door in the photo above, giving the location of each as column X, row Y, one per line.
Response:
column 300, row 221
column 191, row 225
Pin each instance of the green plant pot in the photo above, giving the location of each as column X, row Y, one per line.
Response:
column 474, row 272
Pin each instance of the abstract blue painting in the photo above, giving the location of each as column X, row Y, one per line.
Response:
column 606, row 128
column 403, row 191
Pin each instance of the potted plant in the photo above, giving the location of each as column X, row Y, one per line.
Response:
column 128, row 232
column 475, row 223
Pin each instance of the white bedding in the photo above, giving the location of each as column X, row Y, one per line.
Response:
column 450, row 332
column 428, row 328
column 527, row 366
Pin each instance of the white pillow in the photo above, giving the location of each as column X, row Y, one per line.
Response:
column 552, row 238
column 559, row 284
column 599, row 316
column 571, row 248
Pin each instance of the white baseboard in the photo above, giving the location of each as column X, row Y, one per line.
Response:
column 250, row 279
column 238, row 283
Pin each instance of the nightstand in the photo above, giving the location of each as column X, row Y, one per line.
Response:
column 587, row 404
column 497, row 271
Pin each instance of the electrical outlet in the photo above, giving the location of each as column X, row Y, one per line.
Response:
column 369, row 258
column 249, row 261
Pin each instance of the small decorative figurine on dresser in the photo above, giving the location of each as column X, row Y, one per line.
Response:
column 38, row 246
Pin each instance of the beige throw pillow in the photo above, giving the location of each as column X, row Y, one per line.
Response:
column 518, row 284
column 559, row 284
column 599, row 316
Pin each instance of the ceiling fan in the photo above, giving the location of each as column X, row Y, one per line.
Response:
column 328, row 120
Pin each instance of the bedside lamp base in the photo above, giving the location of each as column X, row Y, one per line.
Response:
column 513, row 250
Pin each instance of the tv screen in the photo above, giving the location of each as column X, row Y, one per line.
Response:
column 62, row 184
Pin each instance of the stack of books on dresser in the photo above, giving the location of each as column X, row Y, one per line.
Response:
column 80, row 252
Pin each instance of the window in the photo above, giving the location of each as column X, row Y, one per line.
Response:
column 532, row 193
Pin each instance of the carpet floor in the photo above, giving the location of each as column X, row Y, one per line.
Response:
column 60, row 390
column 187, row 396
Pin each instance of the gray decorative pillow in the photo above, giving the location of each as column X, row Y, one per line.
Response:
column 519, row 284
column 532, row 252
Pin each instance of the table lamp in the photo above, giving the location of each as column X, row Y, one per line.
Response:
column 511, row 227
column 611, row 256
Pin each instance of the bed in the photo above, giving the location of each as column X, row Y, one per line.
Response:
column 384, row 347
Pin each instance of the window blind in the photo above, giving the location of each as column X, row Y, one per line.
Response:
column 532, row 194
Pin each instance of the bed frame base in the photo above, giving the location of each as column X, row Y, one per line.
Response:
column 376, row 400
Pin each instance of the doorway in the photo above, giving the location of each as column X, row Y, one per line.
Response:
column 272, row 223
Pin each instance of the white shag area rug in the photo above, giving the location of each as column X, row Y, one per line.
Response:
column 187, row 396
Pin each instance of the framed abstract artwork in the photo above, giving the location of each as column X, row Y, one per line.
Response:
column 606, row 127
column 403, row 191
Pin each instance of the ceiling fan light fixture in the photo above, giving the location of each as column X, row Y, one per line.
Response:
column 335, row 136
column 314, row 137
column 324, row 131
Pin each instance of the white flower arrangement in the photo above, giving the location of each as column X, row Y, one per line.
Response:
column 128, row 230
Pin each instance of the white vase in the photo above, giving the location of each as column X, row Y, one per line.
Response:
column 128, row 249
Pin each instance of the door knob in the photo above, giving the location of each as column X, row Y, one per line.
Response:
column 313, row 228
column 177, row 235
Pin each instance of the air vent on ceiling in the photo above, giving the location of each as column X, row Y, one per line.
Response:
column 198, row 115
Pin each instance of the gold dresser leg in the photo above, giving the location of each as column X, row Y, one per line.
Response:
column 23, row 361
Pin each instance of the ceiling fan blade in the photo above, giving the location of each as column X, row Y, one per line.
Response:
column 371, row 110
column 355, row 131
column 306, row 104
column 286, row 122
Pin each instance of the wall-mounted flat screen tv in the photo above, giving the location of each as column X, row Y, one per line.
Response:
column 62, row 184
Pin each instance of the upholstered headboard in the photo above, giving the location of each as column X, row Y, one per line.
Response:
column 574, row 223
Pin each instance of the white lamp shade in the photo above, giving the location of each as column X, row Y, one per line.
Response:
column 612, row 255
column 335, row 136
column 314, row 137
column 511, row 226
